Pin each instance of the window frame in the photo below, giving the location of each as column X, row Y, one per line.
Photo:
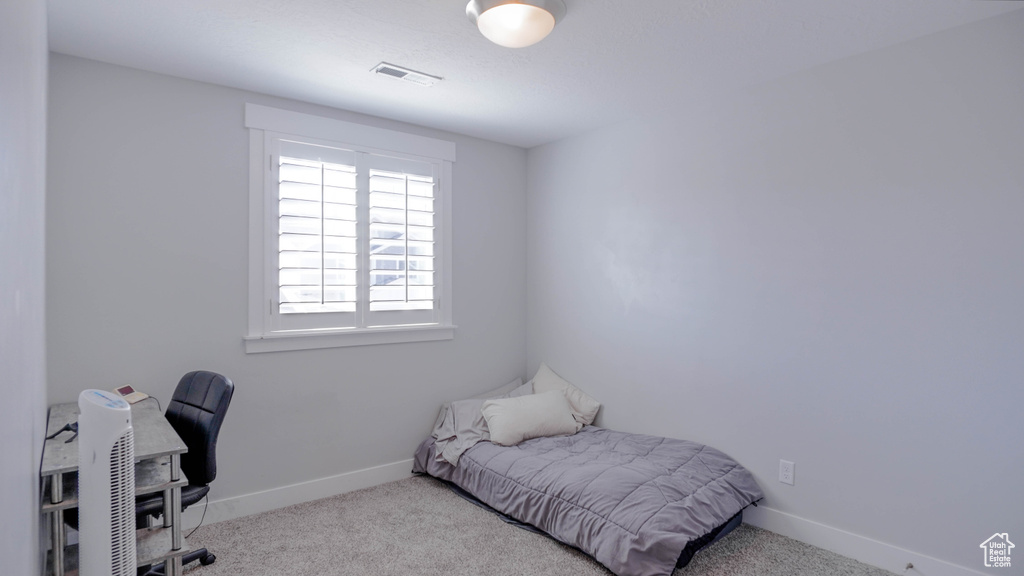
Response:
column 263, row 123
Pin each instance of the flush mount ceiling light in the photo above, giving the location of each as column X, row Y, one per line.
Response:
column 515, row 23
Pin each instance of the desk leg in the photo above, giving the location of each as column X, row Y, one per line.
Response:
column 176, row 518
column 168, row 507
column 172, row 500
column 173, row 565
column 57, row 534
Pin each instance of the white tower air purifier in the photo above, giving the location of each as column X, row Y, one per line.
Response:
column 106, row 486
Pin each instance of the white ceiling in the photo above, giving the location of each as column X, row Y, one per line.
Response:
column 607, row 61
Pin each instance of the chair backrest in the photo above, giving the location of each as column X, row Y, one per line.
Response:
column 196, row 412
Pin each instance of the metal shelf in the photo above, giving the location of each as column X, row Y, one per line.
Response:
column 151, row 476
column 153, row 546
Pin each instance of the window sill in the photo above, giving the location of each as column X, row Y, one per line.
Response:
column 314, row 339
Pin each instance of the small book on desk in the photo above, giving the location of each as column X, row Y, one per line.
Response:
column 131, row 395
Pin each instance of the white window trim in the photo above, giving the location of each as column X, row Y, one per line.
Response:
column 260, row 338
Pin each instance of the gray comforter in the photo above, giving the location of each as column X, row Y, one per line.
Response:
column 630, row 501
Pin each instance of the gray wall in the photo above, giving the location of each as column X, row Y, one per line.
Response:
column 827, row 270
column 147, row 214
column 22, row 354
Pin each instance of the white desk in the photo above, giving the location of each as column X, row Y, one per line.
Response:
column 158, row 450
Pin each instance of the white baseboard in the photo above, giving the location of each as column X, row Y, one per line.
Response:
column 860, row 548
column 248, row 504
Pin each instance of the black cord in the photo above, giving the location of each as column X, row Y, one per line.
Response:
column 159, row 407
column 206, row 504
column 69, row 427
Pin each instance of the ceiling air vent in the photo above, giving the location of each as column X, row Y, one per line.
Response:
column 405, row 74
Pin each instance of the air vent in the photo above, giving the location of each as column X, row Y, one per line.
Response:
column 406, row 74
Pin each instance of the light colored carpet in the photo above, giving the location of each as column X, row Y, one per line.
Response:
column 418, row 526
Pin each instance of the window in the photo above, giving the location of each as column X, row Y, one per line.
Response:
column 349, row 234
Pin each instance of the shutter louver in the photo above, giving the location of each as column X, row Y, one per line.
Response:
column 317, row 238
column 401, row 241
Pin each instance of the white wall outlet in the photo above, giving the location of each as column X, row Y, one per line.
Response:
column 787, row 472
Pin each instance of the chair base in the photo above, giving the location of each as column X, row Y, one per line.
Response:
column 202, row 554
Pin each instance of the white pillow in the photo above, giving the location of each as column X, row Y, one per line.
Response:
column 584, row 408
column 512, row 420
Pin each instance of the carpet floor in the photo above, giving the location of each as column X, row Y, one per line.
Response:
column 417, row 526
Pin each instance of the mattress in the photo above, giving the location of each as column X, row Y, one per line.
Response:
column 632, row 502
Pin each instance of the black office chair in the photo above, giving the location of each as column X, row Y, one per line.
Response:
column 196, row 412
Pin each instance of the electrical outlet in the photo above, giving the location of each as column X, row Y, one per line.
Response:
column 787, row 472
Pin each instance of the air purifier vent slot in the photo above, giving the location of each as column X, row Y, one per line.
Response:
column 122, row 505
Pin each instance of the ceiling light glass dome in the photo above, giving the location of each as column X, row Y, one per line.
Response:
column 515, row 24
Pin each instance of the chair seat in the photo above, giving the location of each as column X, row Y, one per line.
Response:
column 153, row 504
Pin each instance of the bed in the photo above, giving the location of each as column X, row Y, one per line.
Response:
column 640, row 505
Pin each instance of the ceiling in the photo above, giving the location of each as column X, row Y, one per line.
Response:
column 607, row 61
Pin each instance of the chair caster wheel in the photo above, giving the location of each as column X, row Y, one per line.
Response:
column 207, row 560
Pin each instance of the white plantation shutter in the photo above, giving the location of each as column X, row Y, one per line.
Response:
column 349, row 233
column 401, row 199
column 355, row 238
column 401, row 241
column 317, row 250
